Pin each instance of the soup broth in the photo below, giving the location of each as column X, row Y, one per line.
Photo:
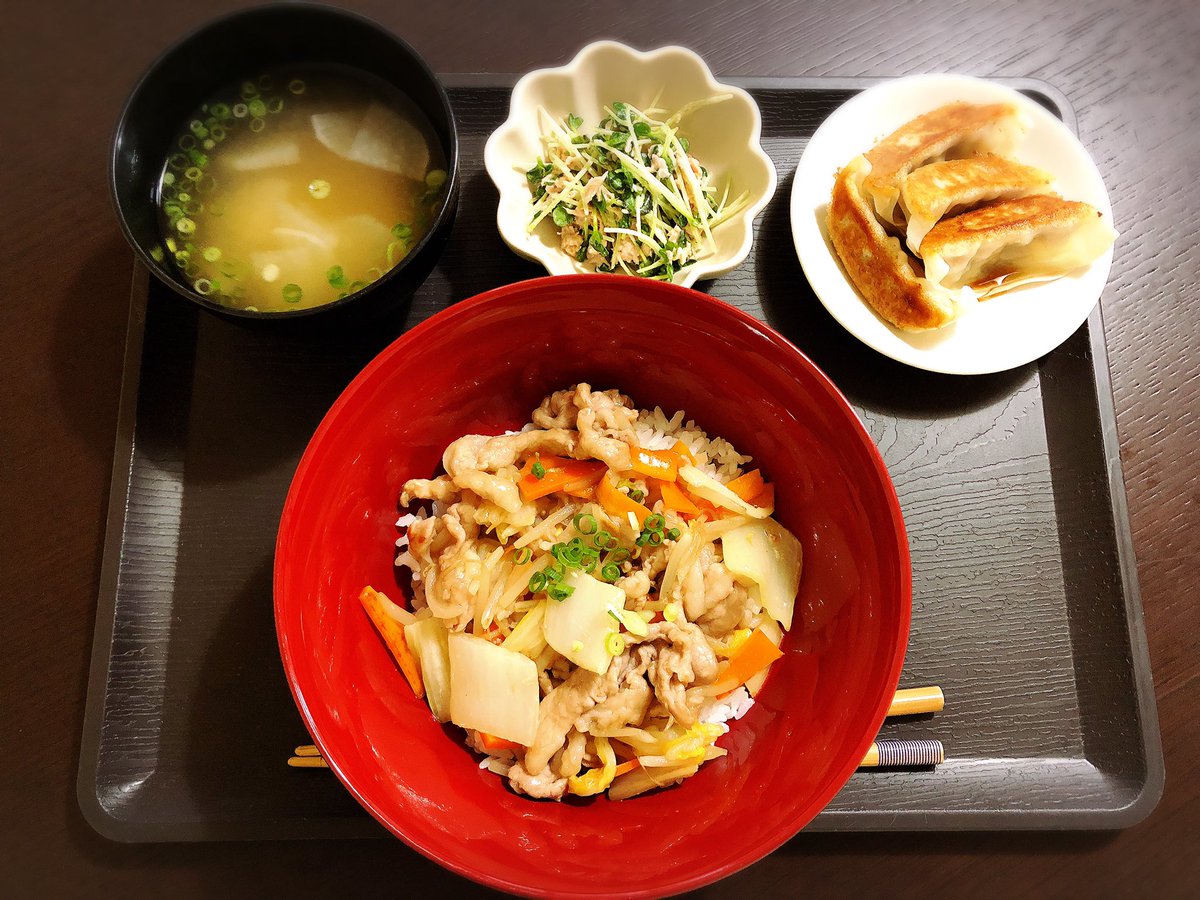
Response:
column 298, row 188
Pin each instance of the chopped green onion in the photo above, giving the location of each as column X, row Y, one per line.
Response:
column 610, row 572
column 240, row 110
column 219, row 111
column 654, row 538
column 538, row 470
column 296, row 86
column 435, row 179
column 537, row 582
column 619, row 555
column 212, row 254
column 257, row 125
column 523, row 556
column 156, row 254
column 292, row 293
column 217, row 132
column 203, row 287
column 673, row 534
column 168, row 179
column 374, row 273
column 559, row 592
column 319, row 188
column 604, row 540
column 208, row 144
column 392, row 257
column 637, row 496
column 402, row 231
column 336, row 276
column 192, row 173
column 275, row 105
column 614, row 644
column 249, row 90
column 654, row 522
column 186, row 142
column 585, row 523
column 357, row 286
column 185, row 226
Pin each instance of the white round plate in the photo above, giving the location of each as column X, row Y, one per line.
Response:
column 992, row 336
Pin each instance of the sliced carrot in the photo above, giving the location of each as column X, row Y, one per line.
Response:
column 583, row 493
column 708, row 509
column 627, row 766
column 560, row 475
column 392, row 633
column 492, row 743
column 764, row 499
column 683, row 450
column 758, row 652
column 674, row 498
column 618, row 503
column 748, row 485
column 660, row 464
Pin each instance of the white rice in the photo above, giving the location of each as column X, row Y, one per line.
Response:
column 716, row 456
column 724, row 709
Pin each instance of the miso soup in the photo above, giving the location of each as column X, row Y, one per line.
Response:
column 298, row 188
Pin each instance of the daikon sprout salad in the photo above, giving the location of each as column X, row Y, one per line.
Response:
column 595, row 598
column 298, row 188
column 629, row 196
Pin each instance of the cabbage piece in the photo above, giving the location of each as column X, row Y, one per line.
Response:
column 427, row 640
column 708, row 488
column 769, row 556
column 579, row 626
column 527, row 638
column 492, row 689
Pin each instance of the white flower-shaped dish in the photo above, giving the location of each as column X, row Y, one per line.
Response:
column 724, row 138
column 992, row 336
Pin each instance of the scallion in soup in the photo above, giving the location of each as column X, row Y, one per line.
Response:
column 298, row 188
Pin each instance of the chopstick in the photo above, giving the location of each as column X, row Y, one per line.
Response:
column 882, row 754
column 912, row 701
column 903, row 754
column 307, row 756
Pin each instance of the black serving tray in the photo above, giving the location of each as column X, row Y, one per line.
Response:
column 1025, row 609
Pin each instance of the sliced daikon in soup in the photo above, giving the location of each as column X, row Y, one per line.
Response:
column 298, row 188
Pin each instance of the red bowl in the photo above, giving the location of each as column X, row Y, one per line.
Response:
column 482, row 366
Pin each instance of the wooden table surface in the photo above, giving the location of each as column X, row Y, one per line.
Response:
column 1130, row 71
